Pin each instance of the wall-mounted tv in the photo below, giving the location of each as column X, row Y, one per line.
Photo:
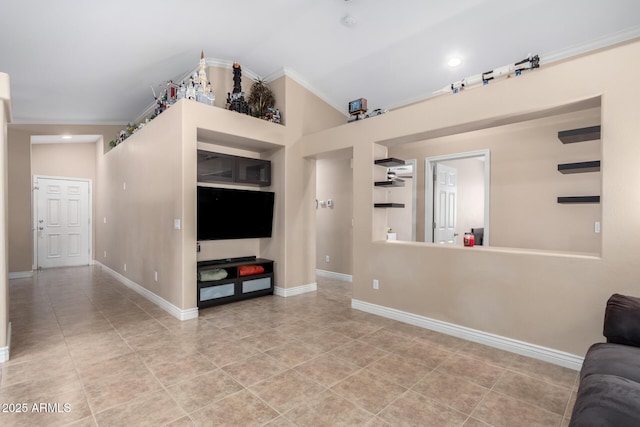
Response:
column 225, row 213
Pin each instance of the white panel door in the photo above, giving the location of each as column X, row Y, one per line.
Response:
column 445, row 204
column 62, row 222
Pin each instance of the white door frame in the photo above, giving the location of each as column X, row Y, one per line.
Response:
column 430, row 163
column 414, row 197
column 34, row 209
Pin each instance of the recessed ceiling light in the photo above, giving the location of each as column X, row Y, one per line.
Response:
column 66, row 137
column 454, row 61
column 349, row 21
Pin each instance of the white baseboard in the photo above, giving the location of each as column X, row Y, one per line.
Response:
column 191, row 313
column 289, row 292
column 519, row 347
column 334, row 275
column 21, row 275
column 4, row 351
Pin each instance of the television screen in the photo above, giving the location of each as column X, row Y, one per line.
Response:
column 225, row 213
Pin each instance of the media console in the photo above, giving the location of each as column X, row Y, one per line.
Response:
column 226, row 280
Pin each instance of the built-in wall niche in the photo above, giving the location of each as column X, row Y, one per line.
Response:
column 544, row 194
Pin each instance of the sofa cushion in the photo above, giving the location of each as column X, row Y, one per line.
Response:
column 622, row 320
column 612, row 359
column 606, row 400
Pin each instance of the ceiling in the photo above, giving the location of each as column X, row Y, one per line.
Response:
column 82, row 62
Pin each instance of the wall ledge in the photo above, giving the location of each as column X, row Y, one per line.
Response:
column 289, row 292
column 546, row 354
column 191, row 313
column 333, row 275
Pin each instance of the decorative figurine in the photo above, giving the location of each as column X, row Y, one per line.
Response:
column 529, row 63
column 235, row 100
column 272, row 115
column 358, row 106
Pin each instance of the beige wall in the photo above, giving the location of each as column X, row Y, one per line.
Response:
column 334, row 180
column 545, row 298
column 20, row 215
column 139, row 193
column 64, row 160
column 525, row 183
column 5, row 118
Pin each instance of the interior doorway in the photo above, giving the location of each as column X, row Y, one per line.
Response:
column 62, row 222
column 457, row 197
column 334, row 214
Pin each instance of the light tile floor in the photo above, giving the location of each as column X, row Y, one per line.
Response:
column 82, row 339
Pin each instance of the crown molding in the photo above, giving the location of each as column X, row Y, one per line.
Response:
column 224, row 63
column 295, row 76
column 609, row 40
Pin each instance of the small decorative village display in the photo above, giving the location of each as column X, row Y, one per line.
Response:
column 198, row 88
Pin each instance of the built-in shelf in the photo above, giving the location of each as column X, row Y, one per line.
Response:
column 388, row 205
column 580, row 167
column 590, row 133
column 390, row 183
column 579, row 199
column 389, row 162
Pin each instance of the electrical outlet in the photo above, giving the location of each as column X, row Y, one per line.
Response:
column 125, row 267
column 105, row 220
column 327, row 258
column 155, row 276
column 105, row 254
column 596, row 228
column 124, row 185
column 376, row 284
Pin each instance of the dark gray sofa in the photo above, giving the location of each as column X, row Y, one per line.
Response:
column 609, row 391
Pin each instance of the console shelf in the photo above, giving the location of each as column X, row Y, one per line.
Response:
column 390, row 183
column 213, row 289
column 389, row 162
column 388, row 205
column 580, row 167
column 579, row 199
column 590, row 133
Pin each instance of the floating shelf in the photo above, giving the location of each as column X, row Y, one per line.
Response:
column 580, row 167
column 389, row 162
column 388, row 205
column 390, row 183
column 579, row 199
column 579, row 135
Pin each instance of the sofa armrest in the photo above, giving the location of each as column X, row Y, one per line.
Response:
column 622, row 320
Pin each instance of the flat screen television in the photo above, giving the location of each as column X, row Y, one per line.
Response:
column 225, row 213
